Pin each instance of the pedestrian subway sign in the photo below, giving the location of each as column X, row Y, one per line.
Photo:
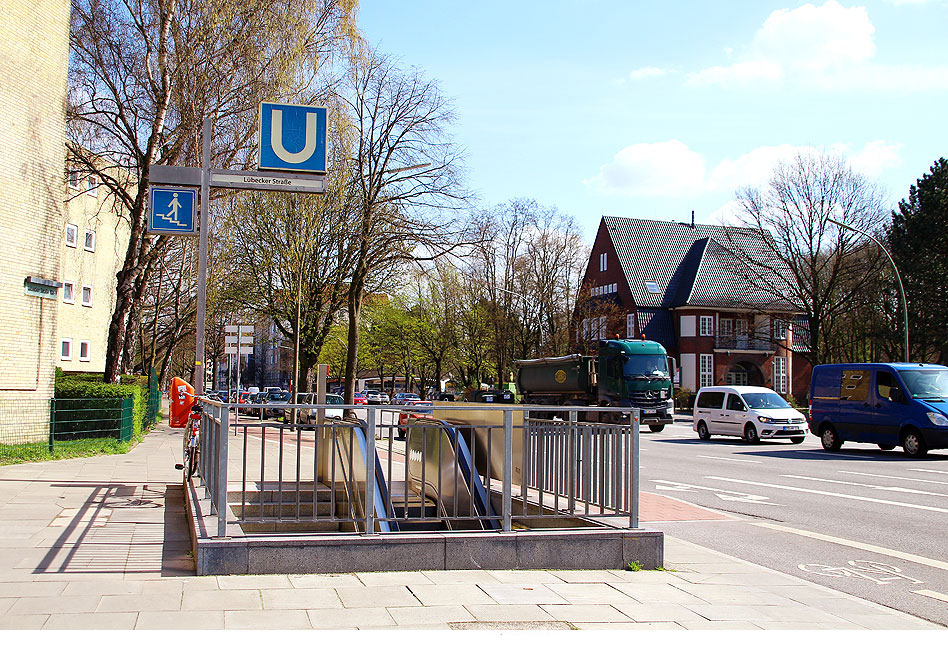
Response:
column 172, row 211
column 292, row 137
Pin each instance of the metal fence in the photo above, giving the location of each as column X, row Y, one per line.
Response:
column 389, row 469
column 29, row 427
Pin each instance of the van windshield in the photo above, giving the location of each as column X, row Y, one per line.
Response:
column 652, row 366
column 765, row 401
column 926, row 383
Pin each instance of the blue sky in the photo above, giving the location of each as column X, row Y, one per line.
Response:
column 654, row 109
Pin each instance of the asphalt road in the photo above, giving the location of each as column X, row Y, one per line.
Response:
column 863, row 521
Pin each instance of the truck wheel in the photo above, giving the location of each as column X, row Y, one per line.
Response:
column 913, row 444
column 830, row 438
column 655, row 428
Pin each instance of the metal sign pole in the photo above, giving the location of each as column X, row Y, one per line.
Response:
column 202, row 257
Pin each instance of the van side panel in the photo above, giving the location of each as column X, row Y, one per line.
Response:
column 824, row 392
column 855, row 410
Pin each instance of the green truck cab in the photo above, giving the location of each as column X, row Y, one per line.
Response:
column 626, row 374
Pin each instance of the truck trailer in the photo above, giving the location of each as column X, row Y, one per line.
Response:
column 626, row 374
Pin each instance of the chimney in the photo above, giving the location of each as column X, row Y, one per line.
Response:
column 692, row 218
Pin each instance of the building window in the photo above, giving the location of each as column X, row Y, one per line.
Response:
column 652, row 287
column 65, row 353
column 629, row 326
column 780, row 330
column 90, row 241
column 780, row 375
column 84, row 350
column 602, row 327
column 86, row 295
column 92, row 185
column 72, row 235
column 726, row 327
column 69, row 293
column 741, row 329
column 707, row 326
column 74, row 179
column 603, row 264
column 706, row 371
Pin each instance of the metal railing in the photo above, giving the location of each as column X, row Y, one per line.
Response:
column 408, row 468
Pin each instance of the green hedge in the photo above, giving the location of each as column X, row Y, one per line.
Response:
column 88, row 385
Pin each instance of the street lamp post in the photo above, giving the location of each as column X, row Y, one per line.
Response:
column 897, row 277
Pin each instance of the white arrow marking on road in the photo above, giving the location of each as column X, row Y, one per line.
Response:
column 899, row 478
column 736, row 460
column 830, row 494
column 730, row 495
column 867, row 485
column 917, row 559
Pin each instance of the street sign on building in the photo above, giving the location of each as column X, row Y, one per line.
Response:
column 292, row 137
column 172, row 211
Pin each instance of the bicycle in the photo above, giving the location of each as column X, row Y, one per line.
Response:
column 192, row 442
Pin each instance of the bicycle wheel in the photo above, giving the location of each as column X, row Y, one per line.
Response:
column 192, row 461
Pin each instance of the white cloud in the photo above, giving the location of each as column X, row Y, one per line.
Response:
column 651, row 169
column 829, row 46
column 672, row 169
column 646, row 73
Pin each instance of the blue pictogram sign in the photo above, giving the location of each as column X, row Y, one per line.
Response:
column 292, row 137
column 172, row 211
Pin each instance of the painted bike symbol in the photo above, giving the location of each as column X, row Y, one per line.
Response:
column 881, row 574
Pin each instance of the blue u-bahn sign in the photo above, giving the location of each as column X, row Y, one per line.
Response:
column 172, row 211
column 292, row 137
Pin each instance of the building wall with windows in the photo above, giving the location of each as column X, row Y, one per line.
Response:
column 34, row 48
column 94, row 241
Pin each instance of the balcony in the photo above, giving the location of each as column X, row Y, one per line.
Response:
column 747, row 342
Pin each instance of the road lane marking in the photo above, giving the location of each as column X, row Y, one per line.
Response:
column 831, row 494
column 933, row 471
column 735, row 460
column 867, row 485
column 729, row 495
column 917, row 559
column 931, row 594
column 899, row 478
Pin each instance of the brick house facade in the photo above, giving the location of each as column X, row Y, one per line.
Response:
column 685, row 287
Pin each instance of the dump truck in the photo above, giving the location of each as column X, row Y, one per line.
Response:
column 626, row 373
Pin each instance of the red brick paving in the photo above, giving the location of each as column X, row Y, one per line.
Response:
column 657, row 507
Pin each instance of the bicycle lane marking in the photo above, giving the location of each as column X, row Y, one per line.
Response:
column 872, row 548
column 831, row 494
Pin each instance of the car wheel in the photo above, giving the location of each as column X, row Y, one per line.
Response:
column 830, row 439
column 797, row 440
column 655, row 428
column 750, row 434
column 913, row 444
column 886, row 447
column 703, row 433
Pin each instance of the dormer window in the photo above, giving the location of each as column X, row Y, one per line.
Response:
column 603, row 264
column 652, row 287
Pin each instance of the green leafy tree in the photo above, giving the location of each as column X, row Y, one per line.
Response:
column 919, row 240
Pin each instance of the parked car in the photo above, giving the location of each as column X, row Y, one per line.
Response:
column 886, row 404
column 750, row 412
column 446, row 397
column 359, row 398
column 272, row 409
column 418, row 412
column 400, row 398
column 376, row 397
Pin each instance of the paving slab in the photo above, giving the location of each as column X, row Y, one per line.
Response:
column 158, row 602
column 108, row 621
column 180, row 621
column 473, row 576
column 586, row 613
column 392, row 596
column 287, row 619
column 301, row 599
column 523, row 594
column 452, row 594
column 393, row 578
column 412, row 616
column 318, row 581
column 222, row 600
column 336, row 619
column 508, row 613
column 657, row 613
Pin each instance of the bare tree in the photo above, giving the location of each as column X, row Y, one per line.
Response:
column 405, row 174
column 143, row 76
column 800, row 257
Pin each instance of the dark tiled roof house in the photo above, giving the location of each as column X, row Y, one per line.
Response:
column 712, row 295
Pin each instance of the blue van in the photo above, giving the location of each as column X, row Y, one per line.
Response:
column 886, row 404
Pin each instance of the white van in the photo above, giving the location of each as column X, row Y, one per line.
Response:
column 750, row 412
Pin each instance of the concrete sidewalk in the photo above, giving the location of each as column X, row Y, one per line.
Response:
column 101, row 543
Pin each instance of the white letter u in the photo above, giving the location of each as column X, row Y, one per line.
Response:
column 276, row 138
